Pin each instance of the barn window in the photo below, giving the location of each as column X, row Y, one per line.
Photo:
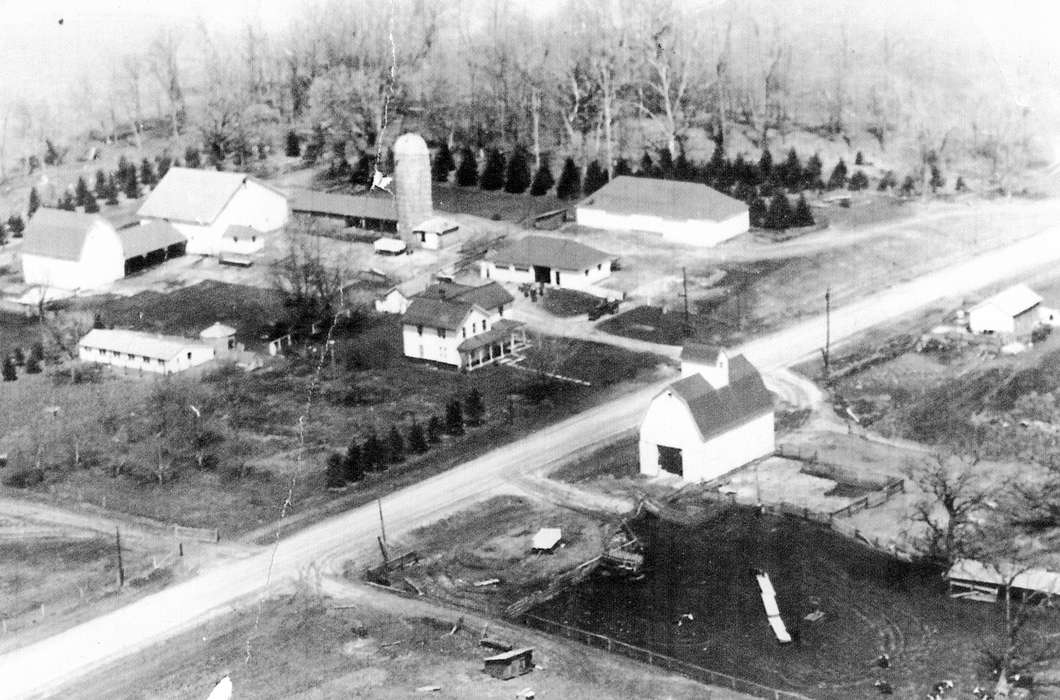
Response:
column 586, row 273
column 189, row 355
column 599, row 266
column 670, row 460
column 253, row 239
column 463, row 332
column 500, row 311
column 474, row 327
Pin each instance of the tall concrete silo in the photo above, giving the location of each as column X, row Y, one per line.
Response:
column 412, row 182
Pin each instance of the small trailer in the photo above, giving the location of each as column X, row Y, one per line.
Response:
column 389, row 246
column 509, row 664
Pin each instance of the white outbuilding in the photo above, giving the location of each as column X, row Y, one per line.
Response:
column 560, row 262
column 435, row 232
column 683, row 212
column 1013, row 311
column 203, row 204
column 716, row 418
column 143, row 352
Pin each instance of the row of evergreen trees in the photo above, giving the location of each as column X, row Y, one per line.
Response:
column 376, row 454
column 33, row 362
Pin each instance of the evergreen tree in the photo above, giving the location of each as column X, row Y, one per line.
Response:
column 191, row 157
column 147, row 173
column 859, row 159
column 858, row 181
column 333, row 472
column 792, row 175
column 373, row 454
column 363, row 171
column 779, row 215
column 908, row 186
column 164, row 164
column 101, row 185
column 10, row 373
column 123, row 170
column 474, row 407
column 443, row 163
column 16, row 225
column 960, row 185
column 811, row 176
column 434, row 430
column 595, row 178
column 97, row 321
column 417, row 439
column 570, row 184
column 353, row 464
column 765, row 165
column 803, row 214
column 517, row 174
column 395, row 444
column 647, row 166
column 91, row 205
column 80, row 192
column 684, row 170
column 717, row 164
column 454, row 418
column 838, row 179
column 19, row 356
column 66, row 202
column 34, row 202
column 937, row 181
column 888, row 181
column 33, row 366
column 467, row 173
column 543, row 180
column 292, row 145
column 744, row 192
column 622, row 167
column 757, row 212
column 665, row 167
column 493, row 174
column 112, row 190
column 132, row 187
column 37, row 350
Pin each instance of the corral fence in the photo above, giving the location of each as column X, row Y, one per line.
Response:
column 882, row 490
column 560, row 583
column 654, row 658
column 197, row 534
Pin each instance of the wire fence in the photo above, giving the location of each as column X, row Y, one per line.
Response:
column 654, row 658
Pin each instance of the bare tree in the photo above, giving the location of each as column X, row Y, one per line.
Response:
column 163, row 60
column 953, row 496
column 310, row 283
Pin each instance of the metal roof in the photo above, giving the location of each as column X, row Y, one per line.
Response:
column 547, row 251
column 1027, row 578
column 667, row 199
column 57, row 233
column 1012, row 301
column 217, row 330
column 158, row 347
column 363, row 206
column 699, row 352
column 500, row 332
column 193, row 196
column 716, row 411
column 488, row 296
column 148, row 237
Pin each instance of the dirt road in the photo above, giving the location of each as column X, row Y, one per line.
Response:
column 44, row 667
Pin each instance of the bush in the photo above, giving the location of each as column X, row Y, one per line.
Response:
column 543, row 180
column 517, row 174
column 292, row 145
column 1040, row 333
column 570, row 181
column 334, row 478
column 859, row 181
column 595, row 177
column 443, row 164
column 467, row 173
column 24, row 478
column 16, row 225
column 493, row 174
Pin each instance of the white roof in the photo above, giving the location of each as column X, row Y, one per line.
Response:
column 390, row 245
column 547, row 538
column 1012, row 301
column 217, row 330
column 1030, row 579
column 158, row 347
column 438, row 225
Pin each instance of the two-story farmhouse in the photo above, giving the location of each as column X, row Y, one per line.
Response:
column 461, row 326
column 716, row 418
column 203, row 204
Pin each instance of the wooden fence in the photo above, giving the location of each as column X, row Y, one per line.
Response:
column 197, row 534
column 872, row 500
column 560, row 583
column 653, row 658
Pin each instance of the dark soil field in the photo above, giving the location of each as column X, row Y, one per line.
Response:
column 568, row 302
column 872, row 605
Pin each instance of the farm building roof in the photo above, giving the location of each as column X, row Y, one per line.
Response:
column 436, row 313
column 716, row 411
column 236, row 231
column 487, row 296
column 57, row 233
column 547, row 251
column 159, row 347
column 217, row 330
column 1012, row 301
column 386, row 244
column 151, row 236
column 971, row 570
column 499, row 333
column 436, row 224
column 361, row 206
column 668, row 199
column 193, row 196
column 699, row 352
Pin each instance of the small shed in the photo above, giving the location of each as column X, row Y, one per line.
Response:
column 220, row 336
column 389, row 246
column 1013, row 311
column 510, row 664
column 547, row 539
column 432, row 233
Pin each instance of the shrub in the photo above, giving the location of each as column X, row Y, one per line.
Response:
column 395, row 446
column 570, row 184
column 595, row 177
column 543, row 180
column 467, row 173
column 838, row 179
column 517, row 174
column 443, row 163
column 493, row 174
column 417, row 439
column 333, row 472
column 292, row 145
column 803, row 215
column 454, row 418
column 474, row 407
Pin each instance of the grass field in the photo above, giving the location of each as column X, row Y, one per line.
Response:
column 871, row 605
column 498, row 205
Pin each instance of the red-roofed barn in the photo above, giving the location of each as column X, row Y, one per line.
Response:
column 716, row 418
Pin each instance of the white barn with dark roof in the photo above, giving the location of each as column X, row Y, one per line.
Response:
column 548, row 260
column 716, row 418
column 461, row 326
column 203, row 204
column 683, row 212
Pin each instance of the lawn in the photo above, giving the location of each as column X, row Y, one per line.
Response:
column 568, row 302
column 700, row 603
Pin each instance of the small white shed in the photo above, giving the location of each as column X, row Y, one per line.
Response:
column 433, row 232
column 389, row 246
column 1013, row 311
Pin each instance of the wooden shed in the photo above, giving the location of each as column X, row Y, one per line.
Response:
column 510, row 664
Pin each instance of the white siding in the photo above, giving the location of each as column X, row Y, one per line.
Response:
column 568, row 279
column 701, row 232
column 187, row 358
column 424, row 343
column 243, row 243
column 393, row 303
column 102, row 261
column 990, row 319
column 669, row 423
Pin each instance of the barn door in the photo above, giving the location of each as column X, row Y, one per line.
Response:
column 670, row 460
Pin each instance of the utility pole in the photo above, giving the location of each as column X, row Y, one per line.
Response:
column 121, row 567
column 827, row 331
column 684, row 284
column 382, row 527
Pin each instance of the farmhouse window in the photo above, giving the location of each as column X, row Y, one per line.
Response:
column 419, row 330
column 189, row 355
column 441, row 333
column 586, row 273
column 474, row 327
column 463, row 332
column 599, row 266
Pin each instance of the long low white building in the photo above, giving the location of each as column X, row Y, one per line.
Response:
column 143, row 352
column 683, row 212
column 548, row 260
